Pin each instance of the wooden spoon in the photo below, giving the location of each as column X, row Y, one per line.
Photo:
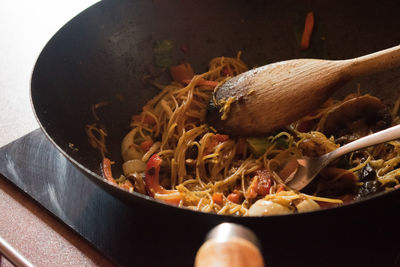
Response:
column 267, row 98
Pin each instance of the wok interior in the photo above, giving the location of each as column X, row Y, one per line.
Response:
column 103, row 54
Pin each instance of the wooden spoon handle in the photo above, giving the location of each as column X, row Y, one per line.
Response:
column 375, row 62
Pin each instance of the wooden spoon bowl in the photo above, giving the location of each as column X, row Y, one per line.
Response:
column 268, row 98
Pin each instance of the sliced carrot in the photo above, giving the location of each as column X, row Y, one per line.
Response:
column 251, row 191
column 217, row 198
column 281, row 187
column 146, row 144
column 203, row 82
column 240, row 146
column 181, row 72
column 149, row 120
column 221, row 137
column 107, row 170
column 235, row 196
column 174, row 201
column 208, row 83
column 215, row 140
column 308, row 28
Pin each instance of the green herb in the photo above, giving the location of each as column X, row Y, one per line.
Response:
column 258, row 145
column 281, row 142
column 162, row 53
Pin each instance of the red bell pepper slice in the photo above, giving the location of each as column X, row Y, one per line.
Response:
column 107, row 170
column 152, row 180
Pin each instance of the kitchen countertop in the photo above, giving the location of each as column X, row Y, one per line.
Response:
column 25, row 27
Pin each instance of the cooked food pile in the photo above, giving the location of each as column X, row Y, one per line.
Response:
column 172, row 155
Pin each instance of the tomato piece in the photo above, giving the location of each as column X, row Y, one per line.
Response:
column 264, row 182
column 146, row 144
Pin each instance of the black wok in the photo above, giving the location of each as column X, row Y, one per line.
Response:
column 102, row 54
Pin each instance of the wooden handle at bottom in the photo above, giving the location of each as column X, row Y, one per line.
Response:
column 234, row 252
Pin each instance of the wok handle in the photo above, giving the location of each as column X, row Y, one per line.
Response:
column 230, row 245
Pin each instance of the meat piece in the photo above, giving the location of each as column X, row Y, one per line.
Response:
column 368, row 188
column 315, row 145
column 367, row 174
column 355, row 118
column 336, row 182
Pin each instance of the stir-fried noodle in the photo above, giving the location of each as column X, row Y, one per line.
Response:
column 171, row 154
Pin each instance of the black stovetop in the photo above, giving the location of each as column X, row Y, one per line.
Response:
column 369, row 237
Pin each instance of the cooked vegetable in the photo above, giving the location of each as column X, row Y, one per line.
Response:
column 203, row 82
column 181, row 73
column 172, row 155
column 137, row 181
column 162, row 53
column 367, row 174
column 153, row 186
column 145, row 145
column 132, row 166
column 307, row 205
column 215, row 140
column 258, row 145
column 107, row 170
column 355, row 118
column 264, row 207
column 308, row 28
column 129, row 149
column 235, row 196
column 218, row 198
